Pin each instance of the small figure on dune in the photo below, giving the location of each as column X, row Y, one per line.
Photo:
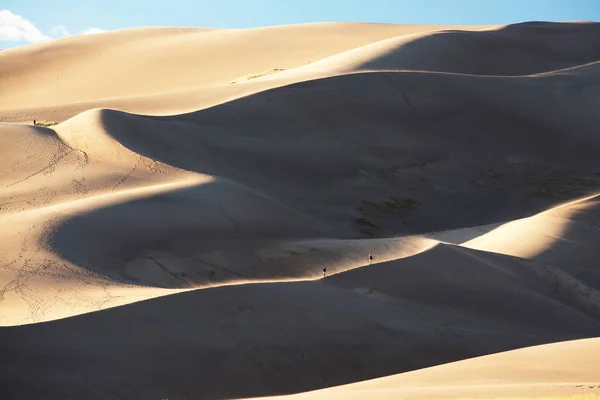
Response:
column 370, row 259
column 324, row 271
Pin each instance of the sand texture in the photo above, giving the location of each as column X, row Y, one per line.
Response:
column 165, row 222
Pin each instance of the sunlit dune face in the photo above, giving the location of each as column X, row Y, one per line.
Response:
column 530, row 237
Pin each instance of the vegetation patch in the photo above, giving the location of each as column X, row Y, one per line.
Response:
column 560, row 184
column 494, row 174
column 365, row 222
column 393, row 207
column 371, row 211
column 256, row 75
column 44, row 123
column 269, row 72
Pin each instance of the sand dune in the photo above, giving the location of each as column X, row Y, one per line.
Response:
column 167, row 238
column 363, row 188
column 274, row 338
column 537, row 371
column 89, row 67
column 512, row 50
column 59, row 87
column 454, row 150
column 66, row 84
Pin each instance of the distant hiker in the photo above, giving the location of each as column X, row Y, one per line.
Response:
column 370, row 258
column 34, row 121
column 324, row 271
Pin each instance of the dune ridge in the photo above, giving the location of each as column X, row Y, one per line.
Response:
column 184, row 50
column 344, row 48
column 187, row 213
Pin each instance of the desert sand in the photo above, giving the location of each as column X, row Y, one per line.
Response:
column 534, row 372
column 165, row 223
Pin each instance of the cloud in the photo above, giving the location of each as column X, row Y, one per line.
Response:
column 59, row 30
column 91, row 31
column 16, row 28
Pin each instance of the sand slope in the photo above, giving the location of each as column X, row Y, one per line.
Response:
column 262, row 171
column 274, row 338
column 446, row 303
column 536, row 371
column 167, row 238
column 76, row 74
column 512, row 50
column 110, row 65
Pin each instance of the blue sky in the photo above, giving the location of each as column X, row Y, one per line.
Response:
column 28, row 21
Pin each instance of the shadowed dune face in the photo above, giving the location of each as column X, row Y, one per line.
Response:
column 443, row 141
column 420, row 139
column 438, row 151
column 156, row 240
column 520, row 49
column 276, row 338
column 506, row 375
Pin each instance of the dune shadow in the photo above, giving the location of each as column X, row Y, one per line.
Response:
column 323, row 147
column 250, row 340
column 513, row 50
column 154, row 238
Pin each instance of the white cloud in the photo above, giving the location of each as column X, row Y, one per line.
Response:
column 59, row 30
column 91, row 31
column 16, row 28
